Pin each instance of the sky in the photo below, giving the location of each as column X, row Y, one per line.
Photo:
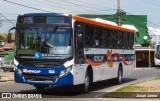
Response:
column 10, row 11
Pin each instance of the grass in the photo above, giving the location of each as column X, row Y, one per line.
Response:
column 158, row 78
column 129, row 91
column 126, row 92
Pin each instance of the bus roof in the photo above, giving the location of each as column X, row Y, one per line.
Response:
column 45, row 14
column 107, row 25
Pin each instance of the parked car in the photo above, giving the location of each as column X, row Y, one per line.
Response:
column 8, row 66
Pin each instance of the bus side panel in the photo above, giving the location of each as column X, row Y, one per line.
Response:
column 97, row 71
column 107, row 72
column 129, row 68
column 79, row 73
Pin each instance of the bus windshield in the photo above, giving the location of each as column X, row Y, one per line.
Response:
column 158, row 49
column 50, row 42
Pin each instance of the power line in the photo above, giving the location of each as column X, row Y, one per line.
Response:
column 49, row 3
column 44, row 3
column 81, row 6
column 91, row 4
column 57, row 3
column 149, row 22
column 6, row 19
column 94, row 11
column 26, row 6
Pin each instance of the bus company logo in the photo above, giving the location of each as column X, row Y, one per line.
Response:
column 6, row 95
column 31, row 71
column 37, row 55
column 98, row 58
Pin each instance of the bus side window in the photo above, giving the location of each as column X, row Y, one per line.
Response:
column 131, row 40
column 120, row 42
column 125, row 40
column 89, row 38
column 106, row 38
column 98, row 37
column 114, row 39
column 103, row 38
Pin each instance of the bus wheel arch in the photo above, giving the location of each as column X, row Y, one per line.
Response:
column 90, row 70
column 88, row 79
column 120, row 67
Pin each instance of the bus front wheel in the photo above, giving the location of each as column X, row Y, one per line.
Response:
column 85, row 86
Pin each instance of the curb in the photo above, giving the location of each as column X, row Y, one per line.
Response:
column 4, row 77
column 7, row 79
column 1, row 80
column 144, row 68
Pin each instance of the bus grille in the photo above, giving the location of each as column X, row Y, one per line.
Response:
column 40, row 78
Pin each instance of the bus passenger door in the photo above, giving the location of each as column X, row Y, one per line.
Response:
column 79, row 53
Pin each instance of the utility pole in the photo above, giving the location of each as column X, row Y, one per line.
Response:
column 118, row 13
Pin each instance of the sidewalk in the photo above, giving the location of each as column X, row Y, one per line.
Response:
column 6, row 76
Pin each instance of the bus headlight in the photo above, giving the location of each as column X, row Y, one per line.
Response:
column 16, row 62
column 15, row 67
column 65, row 71
column 18, row 70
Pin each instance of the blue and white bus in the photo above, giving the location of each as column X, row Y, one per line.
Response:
column 62, row 49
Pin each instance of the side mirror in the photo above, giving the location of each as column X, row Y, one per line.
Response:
column 9, row 38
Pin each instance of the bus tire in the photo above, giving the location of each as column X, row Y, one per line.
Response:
column 85, row 86
column 119, row 78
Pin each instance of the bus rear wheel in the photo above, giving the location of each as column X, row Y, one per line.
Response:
column 119, row 78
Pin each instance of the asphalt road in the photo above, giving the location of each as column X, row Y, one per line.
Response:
column 98, row 89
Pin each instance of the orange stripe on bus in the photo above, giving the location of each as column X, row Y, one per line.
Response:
column 86, row 20
column 109, row 57
column 109, row 60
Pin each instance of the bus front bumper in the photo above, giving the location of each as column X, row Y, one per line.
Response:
column 66, row 79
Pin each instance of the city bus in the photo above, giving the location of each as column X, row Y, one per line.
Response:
column 62, row 49
column 157, row 53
